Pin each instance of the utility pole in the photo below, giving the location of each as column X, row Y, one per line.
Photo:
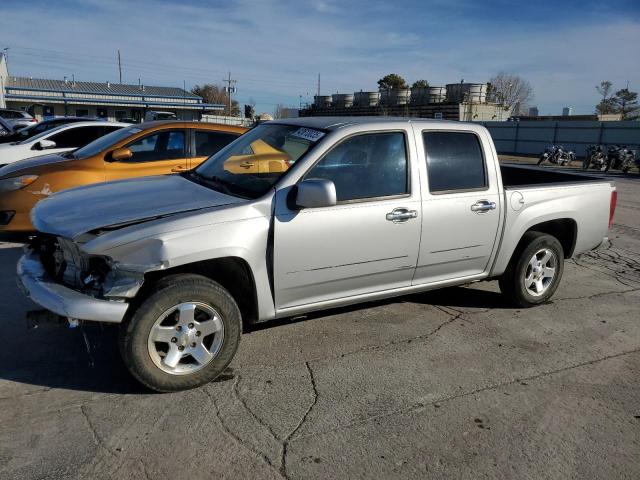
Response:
column 119, row 67
column 318, row 84
column 230, row 90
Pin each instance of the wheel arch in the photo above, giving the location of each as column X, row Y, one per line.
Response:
column 565, row 230
column 232, row 273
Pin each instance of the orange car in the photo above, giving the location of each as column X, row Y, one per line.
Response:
column 152, row 148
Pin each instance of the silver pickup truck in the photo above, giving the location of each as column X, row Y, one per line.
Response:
column 301, row 215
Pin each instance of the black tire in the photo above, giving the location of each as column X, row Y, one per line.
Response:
column 541, row 161
column 586, row 163
column 167, row 293
column 607, row 165
column 512, row 283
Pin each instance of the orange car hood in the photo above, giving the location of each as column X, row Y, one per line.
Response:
column 27, row 163
column 71, row 213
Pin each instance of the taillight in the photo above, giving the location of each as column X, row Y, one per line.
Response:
column 612, row 207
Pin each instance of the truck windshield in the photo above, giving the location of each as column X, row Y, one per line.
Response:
column 251, row 165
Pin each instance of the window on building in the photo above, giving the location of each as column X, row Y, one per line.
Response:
column 77, row 137
column 454, row 161
column 102, row 112
column 208, row 143
column 82, row 112
column 165, row 145
column 366, row 166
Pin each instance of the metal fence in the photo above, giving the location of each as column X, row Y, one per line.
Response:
column 531, row 137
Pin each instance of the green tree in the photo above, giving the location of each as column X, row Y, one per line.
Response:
column 626, row 104
column 420, row 84
column 393, row 81
column 606, row 105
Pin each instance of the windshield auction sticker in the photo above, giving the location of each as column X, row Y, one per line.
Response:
column 308, row 134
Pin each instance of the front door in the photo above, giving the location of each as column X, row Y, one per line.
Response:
column 368, row 242
column 460, row 205
column 158, row 153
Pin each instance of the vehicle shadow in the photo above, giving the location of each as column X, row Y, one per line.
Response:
column 87, row 359
column 452, row 297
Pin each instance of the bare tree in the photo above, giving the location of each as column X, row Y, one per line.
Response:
column 211, row 93
column 512, row 91
column 278, row 111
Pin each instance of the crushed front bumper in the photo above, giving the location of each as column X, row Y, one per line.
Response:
column 36, row 284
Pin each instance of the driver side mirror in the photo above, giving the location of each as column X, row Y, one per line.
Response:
column 44, row 145
column 316, row 192
column 120, row 154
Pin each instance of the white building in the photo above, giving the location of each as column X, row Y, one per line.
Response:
column 48, row 98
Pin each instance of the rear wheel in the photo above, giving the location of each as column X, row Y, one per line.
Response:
column 535, row 270
column 586, row 163
column 182, row 335
column 542, row 159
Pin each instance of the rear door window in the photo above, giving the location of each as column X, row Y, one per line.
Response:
column 77, row 137
column 208, row 143
column 454, row 161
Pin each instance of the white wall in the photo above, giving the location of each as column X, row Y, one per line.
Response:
column 531, row 137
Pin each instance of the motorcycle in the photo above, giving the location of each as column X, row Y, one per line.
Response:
column 627, row 159
column 596, row 158
column 557, row 154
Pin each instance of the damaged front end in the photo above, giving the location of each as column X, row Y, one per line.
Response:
column 59, row 276
column 94, row 275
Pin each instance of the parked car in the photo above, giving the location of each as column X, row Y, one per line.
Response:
column 43, row 126
column 368, row 209
column 153, row 115
column 17, row 118
column 58, row 140
column 6, row 130
column 135, row 151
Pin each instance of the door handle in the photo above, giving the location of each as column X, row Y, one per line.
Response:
column 398, row 215
column 483, row 206
column 246, row 164
column 179, row 168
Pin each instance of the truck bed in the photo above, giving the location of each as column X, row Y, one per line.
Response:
column 522, row 176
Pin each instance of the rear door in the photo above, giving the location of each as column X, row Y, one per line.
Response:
column 460, row 204
column 157, row 153
column 206, row 143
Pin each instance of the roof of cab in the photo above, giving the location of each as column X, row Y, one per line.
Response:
column 333, row 123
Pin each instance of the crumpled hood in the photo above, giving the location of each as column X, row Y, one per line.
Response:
column 73, row 212
column 20, row 165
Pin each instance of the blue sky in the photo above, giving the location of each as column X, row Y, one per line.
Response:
column 275, row 49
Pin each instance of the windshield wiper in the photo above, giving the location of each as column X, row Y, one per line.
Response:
column 216, row 182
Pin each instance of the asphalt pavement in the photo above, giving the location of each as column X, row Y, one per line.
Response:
column 447, row 384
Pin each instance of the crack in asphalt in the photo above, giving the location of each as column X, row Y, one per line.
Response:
column 476, row 391
column 244, row 403
column 236, row 437
column 292, row 435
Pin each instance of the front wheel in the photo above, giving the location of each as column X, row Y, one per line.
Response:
column 542, row 159
column 182, row 335
column 535, row 270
